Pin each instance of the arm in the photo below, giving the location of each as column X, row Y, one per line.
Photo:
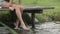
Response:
column 11, row 1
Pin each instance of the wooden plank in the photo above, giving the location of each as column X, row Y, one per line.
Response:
column 38, row 7
column 31, row 9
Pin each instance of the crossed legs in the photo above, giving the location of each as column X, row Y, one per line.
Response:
column 19, row 15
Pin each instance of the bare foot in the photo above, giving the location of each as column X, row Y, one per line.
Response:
column 25, row 28
column 16, row 28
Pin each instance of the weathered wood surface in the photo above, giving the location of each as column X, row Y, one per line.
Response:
column 31, row 9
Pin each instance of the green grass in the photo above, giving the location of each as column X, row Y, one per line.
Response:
column 52, row 12
column 42, row 2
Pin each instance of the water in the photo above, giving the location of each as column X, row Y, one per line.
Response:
column 4, row 30
column 44, row 28
column 48, row 28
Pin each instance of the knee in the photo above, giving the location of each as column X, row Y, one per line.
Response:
column 17, row 7
column 20, row 6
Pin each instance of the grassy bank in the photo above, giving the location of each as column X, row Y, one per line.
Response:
column 52, row 13
column 47, row 14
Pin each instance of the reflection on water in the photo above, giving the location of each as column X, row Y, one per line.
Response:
column 45, row 28
column 4, row 30
column 24, row 31
column 31, row 31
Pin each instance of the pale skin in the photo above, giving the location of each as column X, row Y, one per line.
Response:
column 19, row 11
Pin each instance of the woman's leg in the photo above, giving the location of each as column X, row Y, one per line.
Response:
column 19, row 15
column 18, row 9
column 17, row 21
column 16, row 24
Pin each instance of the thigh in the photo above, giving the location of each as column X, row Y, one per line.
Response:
column 17, row 6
